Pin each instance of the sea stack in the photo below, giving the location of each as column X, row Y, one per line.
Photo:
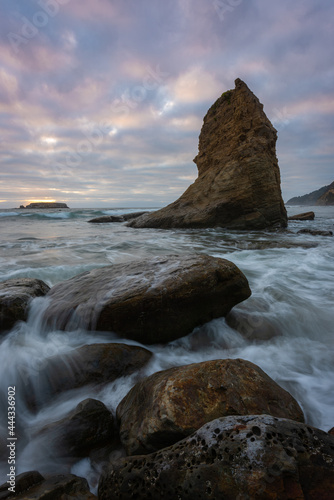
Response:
column 238, row 184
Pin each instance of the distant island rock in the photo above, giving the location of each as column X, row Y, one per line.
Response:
column 238, row 184
column 322, row 196
column 45, row 205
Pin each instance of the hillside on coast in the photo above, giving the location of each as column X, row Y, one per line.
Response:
column 322, row 196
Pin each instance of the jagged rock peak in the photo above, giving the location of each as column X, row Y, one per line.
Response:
column 238, row 184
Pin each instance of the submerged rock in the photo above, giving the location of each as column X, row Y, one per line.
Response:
column 304, row 216
column 315, row 232
column 252, row 325
column 88, row 426
column 237, row 457
column 154, row 300
column 15, row 296
column 238, row 184
column 33, row 486
column 171, row 404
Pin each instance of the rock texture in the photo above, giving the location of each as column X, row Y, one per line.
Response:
column 156, row 300
column 92, row 364
column 239, row 457
column 33, row 486
column 304, row 216
column 238, row 184
column 15, row 295
column 88, row 426
column 171, row 404
column 47, row 205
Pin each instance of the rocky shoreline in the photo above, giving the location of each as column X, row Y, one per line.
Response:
column 220, row 428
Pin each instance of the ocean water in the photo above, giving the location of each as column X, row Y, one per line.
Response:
column 286, row 327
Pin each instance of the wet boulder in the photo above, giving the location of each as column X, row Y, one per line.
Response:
column 169, row 405
column 236, row 457
column 90, row 425
column 92, row 364
column 151, row 301
column 15, row 296
column 33, row 486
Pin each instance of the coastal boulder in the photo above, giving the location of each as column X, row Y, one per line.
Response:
column 171, row 404
column 15, row 296
column 32, row 485
column 154, row 300
column 236, row 457
column 92, row 364
column 88, row 426
column 238, row 184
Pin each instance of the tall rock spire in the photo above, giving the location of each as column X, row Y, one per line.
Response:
column 238, row 184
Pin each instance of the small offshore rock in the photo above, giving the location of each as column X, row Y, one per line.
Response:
column 171, row 404
column 304, row 216
column 107, row 218
column 315, row 232
column 15, row 296
column 117, row 218
column 236, row 457
column 150, row 301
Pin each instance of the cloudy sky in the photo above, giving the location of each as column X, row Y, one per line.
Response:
column 102, row 101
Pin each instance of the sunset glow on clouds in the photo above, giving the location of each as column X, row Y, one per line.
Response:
column 101, row 103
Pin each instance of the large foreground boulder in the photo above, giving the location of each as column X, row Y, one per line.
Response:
column 238, row 457
column 155, row 300
column 15, row 296
column 171, row 404
column 238, row 184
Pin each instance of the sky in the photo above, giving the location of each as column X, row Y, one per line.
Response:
column 102, row 101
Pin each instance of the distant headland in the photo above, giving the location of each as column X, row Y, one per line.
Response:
column 45, row 205
column 322, row 196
